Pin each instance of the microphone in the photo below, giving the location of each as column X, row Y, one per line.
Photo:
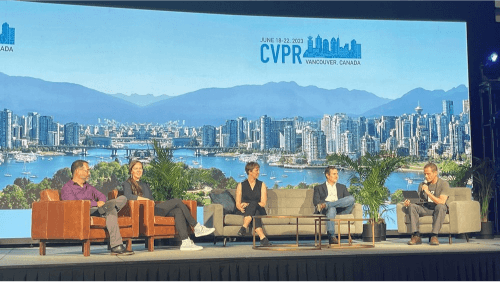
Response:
column 426, row 183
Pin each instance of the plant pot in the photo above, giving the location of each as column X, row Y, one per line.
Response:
column 486, row 230
column 383, row 229
column 367, row 232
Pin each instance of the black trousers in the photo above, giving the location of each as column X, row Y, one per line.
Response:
column 180, row 212
column 253, row 209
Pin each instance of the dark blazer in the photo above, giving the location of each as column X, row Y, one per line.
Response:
column 321, row 192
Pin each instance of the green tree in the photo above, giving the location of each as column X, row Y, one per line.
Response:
column 168, row 180
column 32, row 190
column 397, row 197
column 201, row 177
column 458, row 174
column 367, row 182
column 484, row 173
column 60, row 178
column 12, row 197
column 108, row 176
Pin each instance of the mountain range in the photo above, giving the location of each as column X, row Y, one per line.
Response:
column 68, row 102
column 141, row 100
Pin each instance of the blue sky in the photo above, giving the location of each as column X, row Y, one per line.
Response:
column 129, row 51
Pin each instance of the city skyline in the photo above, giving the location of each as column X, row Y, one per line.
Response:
column 411, row 134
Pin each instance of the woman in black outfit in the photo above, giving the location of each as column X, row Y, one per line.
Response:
column 134, row 189
column 251, row 198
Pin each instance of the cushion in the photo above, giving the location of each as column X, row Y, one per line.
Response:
column 226, row 200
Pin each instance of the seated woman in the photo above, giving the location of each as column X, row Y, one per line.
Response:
column 251, row 198
column 134, row 189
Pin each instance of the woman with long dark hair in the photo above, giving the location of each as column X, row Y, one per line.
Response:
column 135, row 189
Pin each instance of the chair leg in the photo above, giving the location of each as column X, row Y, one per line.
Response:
column 129, row 245
column 225, row 241
column 449, row 238
column 151, row 243
column 86, row 248
column 42, row 247
column 467, row 237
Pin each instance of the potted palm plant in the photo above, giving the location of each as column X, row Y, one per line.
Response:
column 367, row 185
column 484, row 174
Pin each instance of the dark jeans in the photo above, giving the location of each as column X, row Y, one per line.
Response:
column 180, row 212
column 253, row 209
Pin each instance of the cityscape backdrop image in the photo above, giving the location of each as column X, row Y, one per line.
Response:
column 105, row 82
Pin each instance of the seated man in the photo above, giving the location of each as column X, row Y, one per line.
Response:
column 78, row 189
column 434, row 192
column 330, row 196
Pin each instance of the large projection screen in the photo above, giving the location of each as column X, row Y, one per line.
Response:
column 289, row 90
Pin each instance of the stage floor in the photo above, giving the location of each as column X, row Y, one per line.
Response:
column 57, row 255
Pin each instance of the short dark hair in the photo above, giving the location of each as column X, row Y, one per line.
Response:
column 250, row 166
column 328, row 168
column 76, row 165
column 432, row 166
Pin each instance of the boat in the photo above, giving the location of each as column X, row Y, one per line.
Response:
column 49, row 159
column 7, row 175
column 272, row 176
column 284, row 175
column 33, row 176
column 25, row 158
column 264, row 174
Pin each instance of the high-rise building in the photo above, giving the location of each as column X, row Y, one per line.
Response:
column 6, row 129
column 265, row 133
column 232, row 133
column 313, row 144
column 448, row 108
column 465, row 106
column 242, row 125
column 72, row 134
column 290, row 139
column 34, row 123
column 45, row 127
column 208, row 136
column 327, row 128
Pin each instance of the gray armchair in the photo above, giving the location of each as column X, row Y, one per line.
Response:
column 463, row 215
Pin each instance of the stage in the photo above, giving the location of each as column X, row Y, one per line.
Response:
column 389, row 260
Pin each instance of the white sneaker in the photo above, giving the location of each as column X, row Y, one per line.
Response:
column 188, row 245
column 202, row 230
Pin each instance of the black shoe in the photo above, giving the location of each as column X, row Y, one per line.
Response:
column 120, row 250
column 333, row 240
column 265, row 242
column 242, row 231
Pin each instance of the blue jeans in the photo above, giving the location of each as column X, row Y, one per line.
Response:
column 347, row 203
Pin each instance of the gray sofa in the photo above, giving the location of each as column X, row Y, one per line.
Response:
column 463, row 215
column 280, row 202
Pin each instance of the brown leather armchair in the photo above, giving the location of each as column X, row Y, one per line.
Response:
column 56, row 220
column 153, row 227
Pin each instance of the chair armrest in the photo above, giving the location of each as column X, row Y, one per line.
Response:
column 146, row 217
column 400, row 217
column 193, row 208
column 357, row 212
column 464, row 217
column 213, row 216
column 131, row 209
column 63, row 220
